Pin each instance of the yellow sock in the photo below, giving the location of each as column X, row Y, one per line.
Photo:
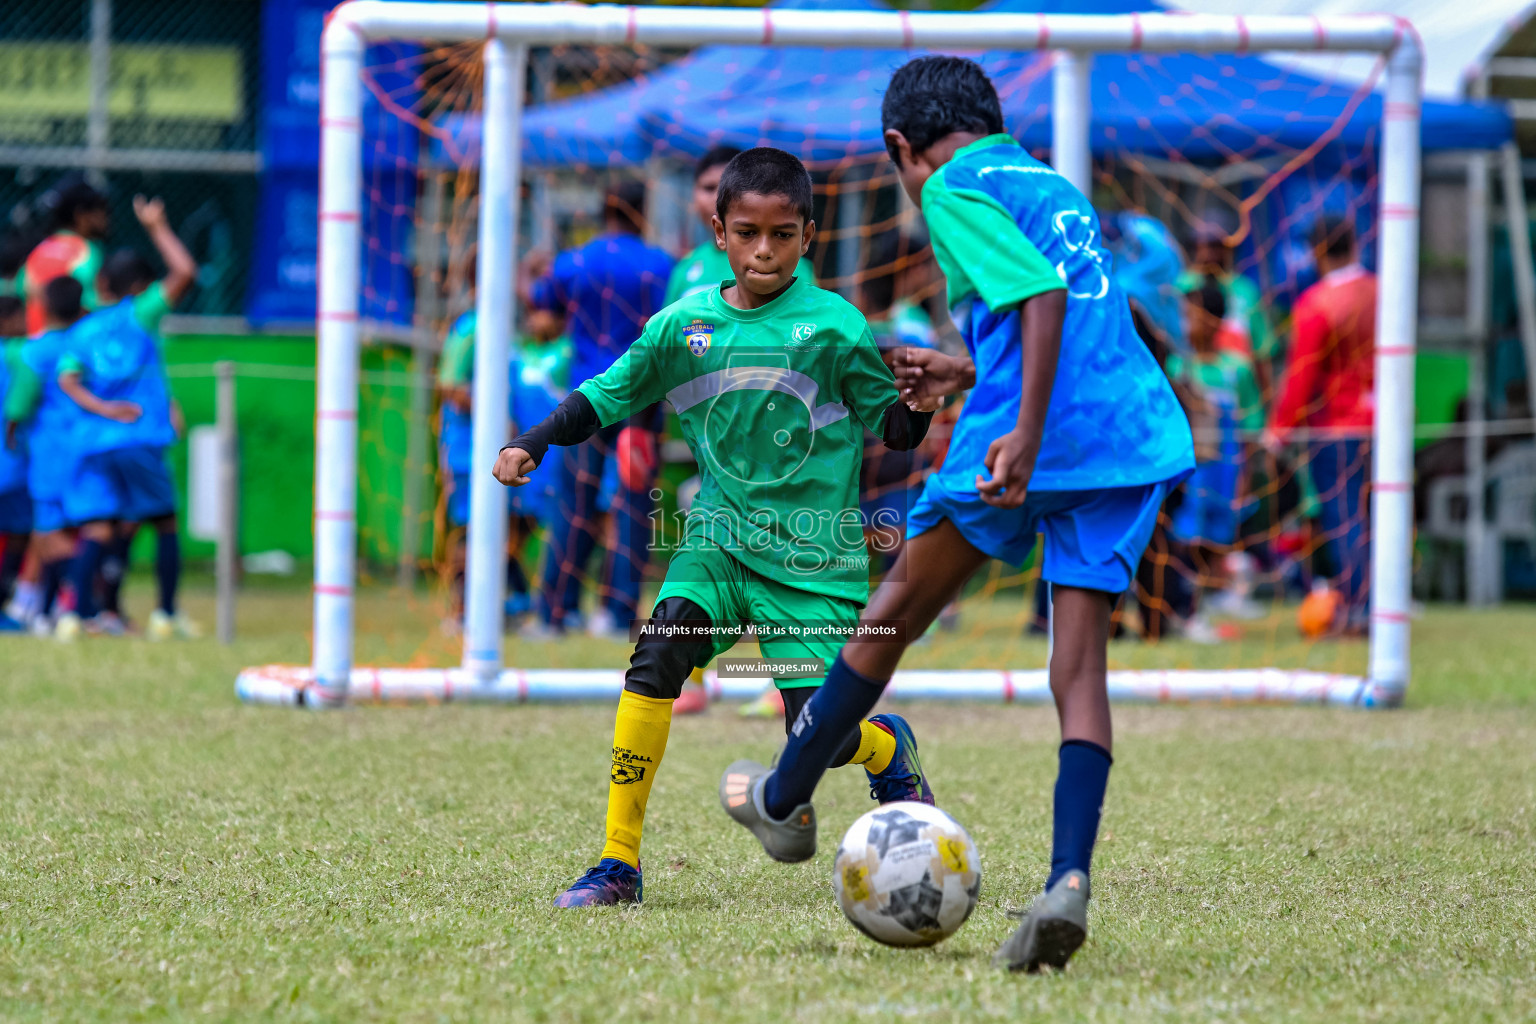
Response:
column 876, row 748
column 639, row 739
column 696, row 677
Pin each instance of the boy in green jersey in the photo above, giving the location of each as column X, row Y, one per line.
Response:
column 774, row 382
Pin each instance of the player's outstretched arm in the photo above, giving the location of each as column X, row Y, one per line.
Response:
column 1011, row 458
column 925, row 376
column 180, row 267
column 573, row 421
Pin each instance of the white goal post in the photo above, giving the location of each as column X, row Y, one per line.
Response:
column 509, row 29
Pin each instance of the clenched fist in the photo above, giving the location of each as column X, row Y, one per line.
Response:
column 513, row 466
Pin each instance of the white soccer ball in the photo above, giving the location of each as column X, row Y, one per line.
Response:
column 907, row 874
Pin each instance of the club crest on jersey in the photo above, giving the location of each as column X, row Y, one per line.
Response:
column 697, row 335
column 802, row 333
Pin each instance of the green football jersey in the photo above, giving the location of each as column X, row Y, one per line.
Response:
column 706, row 267
column 773, row 402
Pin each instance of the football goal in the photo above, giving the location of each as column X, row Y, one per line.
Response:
column 456, row 138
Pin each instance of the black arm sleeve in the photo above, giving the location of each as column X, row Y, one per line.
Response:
column 904, row 429
column 573, row 421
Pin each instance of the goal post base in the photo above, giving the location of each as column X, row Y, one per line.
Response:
column 294, row 686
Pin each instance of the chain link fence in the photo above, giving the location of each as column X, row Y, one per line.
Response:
column 140, row 96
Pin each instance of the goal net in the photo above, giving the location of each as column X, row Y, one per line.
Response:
column 463, row 143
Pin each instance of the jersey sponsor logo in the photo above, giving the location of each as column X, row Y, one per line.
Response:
column 800, row 334
column 697, row 334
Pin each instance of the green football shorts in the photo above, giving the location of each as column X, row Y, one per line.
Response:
column 794, row 621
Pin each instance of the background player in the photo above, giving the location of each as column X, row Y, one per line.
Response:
column 606, row 290
column 15, row 504
column 764, row 373
column 35, row 407
column 80, row 222
column 1070, row 430
column 1223, row 380
column 112, row 369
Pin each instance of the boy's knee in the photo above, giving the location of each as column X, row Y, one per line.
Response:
column 165, row 524
column 659, row 666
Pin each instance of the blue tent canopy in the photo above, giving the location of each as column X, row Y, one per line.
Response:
column 1195, row 107
column 824, row 105
column 605, row 129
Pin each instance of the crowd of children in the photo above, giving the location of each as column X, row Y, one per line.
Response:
column 88, row 417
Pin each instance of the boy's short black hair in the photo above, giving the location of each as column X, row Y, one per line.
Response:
column 765, row 171
column 62, row 297
column 1210, row 297
column 625, row 202
column 715, row 156
column 930, row 97
column 1334, row 233
column 10, row 306
column 74, row 199
column 126, row 270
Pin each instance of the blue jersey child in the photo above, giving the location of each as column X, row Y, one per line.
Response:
column 113, row 371
column 1071, row 430
column 39, row 416
column 15, row 503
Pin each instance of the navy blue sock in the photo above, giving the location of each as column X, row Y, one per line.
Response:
column 1081, row 778
column 10, row 563
column 835, row 710
column 167, row 569
column 49, row 576
column 114, row 566
column 82, row 576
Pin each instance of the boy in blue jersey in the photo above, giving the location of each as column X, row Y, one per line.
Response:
column 1071, row 430
column 113, row 372
column 36, row 409
column 15, row 503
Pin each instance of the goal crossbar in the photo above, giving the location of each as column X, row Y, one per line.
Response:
column 508, row 31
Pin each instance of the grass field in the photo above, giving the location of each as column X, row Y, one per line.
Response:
column 167, row 853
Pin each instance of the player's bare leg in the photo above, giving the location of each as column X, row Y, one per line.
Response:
column 929, row 572
column 1079, row 670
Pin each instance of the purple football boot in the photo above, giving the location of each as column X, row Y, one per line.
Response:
column 610, row 883
column 903, row 778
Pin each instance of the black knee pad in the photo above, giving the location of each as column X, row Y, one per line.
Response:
column 659, row 667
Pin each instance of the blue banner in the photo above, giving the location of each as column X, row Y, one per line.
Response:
column 283, row 275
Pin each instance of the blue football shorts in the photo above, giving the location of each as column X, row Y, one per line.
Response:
column 130, row 484
column 1094, row 539
column 48, row 516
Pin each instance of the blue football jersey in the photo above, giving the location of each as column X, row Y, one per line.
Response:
column 120, row 361
column 1005, row 227
column 52, row 430
column 607, row 290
